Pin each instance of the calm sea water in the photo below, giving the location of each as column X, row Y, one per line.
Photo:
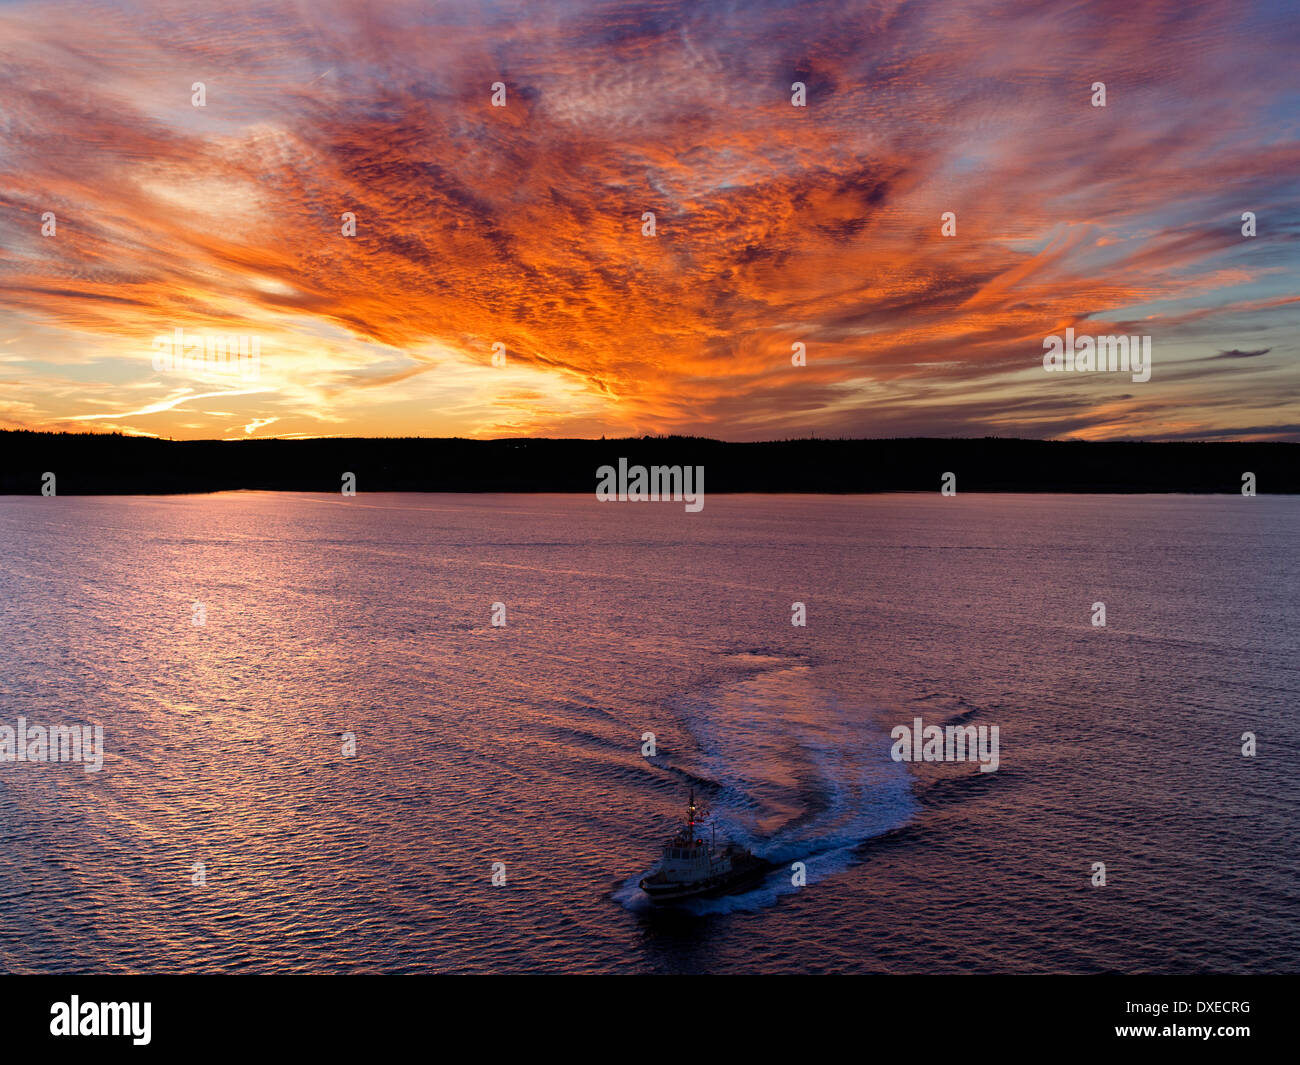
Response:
column 521, row 744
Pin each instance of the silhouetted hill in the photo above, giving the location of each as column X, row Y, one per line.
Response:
column 88, row 463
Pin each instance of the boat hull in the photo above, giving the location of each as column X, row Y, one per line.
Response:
column 739, row 879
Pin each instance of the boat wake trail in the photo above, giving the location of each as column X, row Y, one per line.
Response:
column 794, row 775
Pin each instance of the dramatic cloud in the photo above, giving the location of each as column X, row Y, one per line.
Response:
column 775, row 225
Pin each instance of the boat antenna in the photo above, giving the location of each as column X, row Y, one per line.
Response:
column 690, row 813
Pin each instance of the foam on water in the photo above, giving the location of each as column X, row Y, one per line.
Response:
column 797, row 776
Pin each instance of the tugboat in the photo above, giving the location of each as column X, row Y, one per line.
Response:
column 691, row 868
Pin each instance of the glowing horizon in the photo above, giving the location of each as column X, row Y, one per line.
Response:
column 522, row 225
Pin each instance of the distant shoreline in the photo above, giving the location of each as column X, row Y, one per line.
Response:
column 113, row 464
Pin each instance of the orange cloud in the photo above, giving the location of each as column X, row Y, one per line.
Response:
column 522, row 226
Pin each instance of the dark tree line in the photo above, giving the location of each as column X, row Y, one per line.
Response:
column 89, row 463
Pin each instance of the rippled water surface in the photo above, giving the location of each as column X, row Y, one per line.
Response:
column 522, row 745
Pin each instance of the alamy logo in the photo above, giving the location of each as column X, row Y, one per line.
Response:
column 951, row 743
column 57, row 743
column 217, row 353
column 637, row 484
column 1085, row 354
column 102, row 1018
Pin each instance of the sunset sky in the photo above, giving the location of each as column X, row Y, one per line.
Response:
column 522, row 225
